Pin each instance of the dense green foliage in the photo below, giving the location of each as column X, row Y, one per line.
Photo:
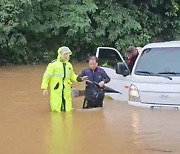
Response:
column 32, row 30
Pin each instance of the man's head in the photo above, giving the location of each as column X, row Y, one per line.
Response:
column 64, row 53
column 93, row 62
column 131, row 51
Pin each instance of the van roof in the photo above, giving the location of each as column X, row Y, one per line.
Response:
column 168, row 44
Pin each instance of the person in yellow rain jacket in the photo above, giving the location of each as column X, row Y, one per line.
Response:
column 58, row 77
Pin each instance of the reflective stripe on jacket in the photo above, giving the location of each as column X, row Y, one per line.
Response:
column 58, row 79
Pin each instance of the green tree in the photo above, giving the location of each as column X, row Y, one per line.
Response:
column 32, row 30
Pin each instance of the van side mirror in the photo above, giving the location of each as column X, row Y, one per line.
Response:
column 121, row 68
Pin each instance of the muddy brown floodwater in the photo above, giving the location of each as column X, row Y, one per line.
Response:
column 28, row 127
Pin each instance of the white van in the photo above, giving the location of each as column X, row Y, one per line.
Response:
column 155, row 79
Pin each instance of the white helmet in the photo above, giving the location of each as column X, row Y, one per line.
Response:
column 63, row 50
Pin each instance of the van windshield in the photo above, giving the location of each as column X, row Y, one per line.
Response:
column 162, row 61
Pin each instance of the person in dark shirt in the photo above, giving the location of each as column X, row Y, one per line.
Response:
column 132, row 54
column 95, row 77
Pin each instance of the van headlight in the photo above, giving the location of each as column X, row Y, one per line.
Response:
column 134, row 94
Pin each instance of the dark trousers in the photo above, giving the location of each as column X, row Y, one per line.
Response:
column 94, row 97
column 87, row 104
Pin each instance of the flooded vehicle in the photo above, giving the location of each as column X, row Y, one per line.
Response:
column 155, row 79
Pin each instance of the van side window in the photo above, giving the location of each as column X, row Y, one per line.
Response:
column 109, row 58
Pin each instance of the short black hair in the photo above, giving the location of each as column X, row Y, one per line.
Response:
column 92, row 58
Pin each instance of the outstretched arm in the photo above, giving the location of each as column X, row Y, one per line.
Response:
column 82, row 77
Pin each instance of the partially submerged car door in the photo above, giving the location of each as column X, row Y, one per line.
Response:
column 108, row 59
